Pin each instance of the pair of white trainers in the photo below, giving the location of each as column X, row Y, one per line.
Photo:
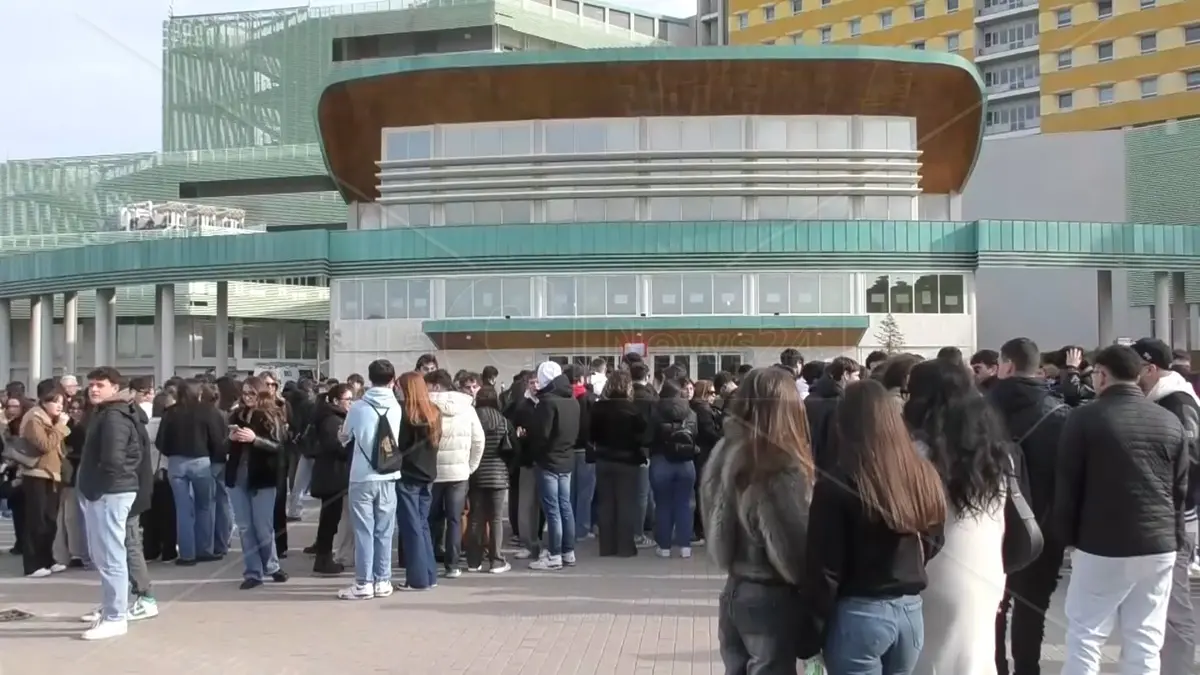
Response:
column 47, row 571
column 143, row 607
column 379, row 589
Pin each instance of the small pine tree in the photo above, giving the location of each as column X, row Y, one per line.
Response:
column 889, row 335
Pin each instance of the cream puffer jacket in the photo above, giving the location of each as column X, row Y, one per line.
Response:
column 461, row 447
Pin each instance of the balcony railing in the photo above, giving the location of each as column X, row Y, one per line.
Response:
column 1032, row 82
column 1008, row 46
column 1006, row 5
column 1014, row 125
column 16, row 244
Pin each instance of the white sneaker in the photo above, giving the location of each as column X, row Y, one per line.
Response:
column 500, row 569
column 57, row 568
column 523, row 554
column 103, row 630
column 383, row 589
column 475, row 569
column 1194, row 570
column 452, row 573
column 143, row 608
column 685, row 552
column 39, row 574
column 569, row 558
column 663, row 552
column 547, row 563
column 642, row 541
column 357, row 592
column 91, row 617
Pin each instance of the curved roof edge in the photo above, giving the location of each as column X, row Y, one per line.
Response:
column 360, row 71
column 555, row 248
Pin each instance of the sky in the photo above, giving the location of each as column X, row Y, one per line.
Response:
column 84, row 77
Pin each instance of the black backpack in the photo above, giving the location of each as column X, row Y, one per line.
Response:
column 385, row 458
column 680, row 444
column 307, row 443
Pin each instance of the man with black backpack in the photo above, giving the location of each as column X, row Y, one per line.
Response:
column 373, row 426
column 1035, row 417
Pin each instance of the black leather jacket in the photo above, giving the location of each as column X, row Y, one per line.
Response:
column 113, row 449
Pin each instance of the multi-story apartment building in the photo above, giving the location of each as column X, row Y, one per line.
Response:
column 1048, row 65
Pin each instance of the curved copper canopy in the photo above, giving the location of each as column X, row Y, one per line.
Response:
column 942, row 91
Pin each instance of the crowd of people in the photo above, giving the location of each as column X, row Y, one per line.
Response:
column 886, row 517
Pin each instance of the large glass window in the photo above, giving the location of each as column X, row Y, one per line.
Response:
column 374, row 299
column 502, row 296
column 787, row 208
column 666, row 292
column 591, row 295
column 951, row 288
column 836, row 293
column 408, row 299
column 459, row 294
column 697, row 293
column 560, row 296
column 408, row 144
column 925, row 294
column 615, row 209
column 729, row 296
column 406, row 215
column 260, row 341
column 488, row 213
column 773, row 294
column 487, row 140
column 590, row 136
column 916, row 293
column 806, row 294
column 900, row 296
column 621, row 291
column 349, row 295
column 877, row 296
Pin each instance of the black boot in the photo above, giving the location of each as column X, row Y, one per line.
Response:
column 324, row 566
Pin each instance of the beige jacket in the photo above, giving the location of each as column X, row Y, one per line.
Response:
column 48, row 436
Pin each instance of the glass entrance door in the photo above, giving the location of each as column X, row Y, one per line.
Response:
column 702, row 366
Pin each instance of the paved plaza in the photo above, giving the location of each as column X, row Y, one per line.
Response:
column 627, row 617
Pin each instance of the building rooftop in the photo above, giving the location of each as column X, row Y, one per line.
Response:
column 944, row 92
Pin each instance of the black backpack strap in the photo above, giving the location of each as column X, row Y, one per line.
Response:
column 1043, row 418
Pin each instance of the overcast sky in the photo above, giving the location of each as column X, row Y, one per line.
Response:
column 84, row 77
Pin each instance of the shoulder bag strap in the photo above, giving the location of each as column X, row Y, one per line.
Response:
column 1043, row 418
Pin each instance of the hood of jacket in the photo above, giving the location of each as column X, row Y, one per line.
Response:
column 123, row 404
column 452, row 403
column 324, row 410
column 547, row 372
column 381, row 397
column 1172, row 382
column 1011, row 395
column 674, row 409
column 557, row 387
column 825, row 387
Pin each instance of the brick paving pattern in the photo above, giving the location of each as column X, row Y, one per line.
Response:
column 644, row 616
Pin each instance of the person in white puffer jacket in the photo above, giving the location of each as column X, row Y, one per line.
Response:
column 459, row 453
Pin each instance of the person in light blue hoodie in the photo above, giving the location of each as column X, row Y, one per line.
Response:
column 372, row 494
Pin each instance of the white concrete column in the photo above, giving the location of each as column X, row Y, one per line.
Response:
column 48, row 335
column 164, row 328
column 106, row 328
column 5, row 341
column 1162, row 306
column 36, row 327
column 1180, row 326
column 1104, row 307
column 222, row 351
column 70, row 333
column 322, row 364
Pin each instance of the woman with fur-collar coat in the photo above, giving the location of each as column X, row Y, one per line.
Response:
column 754, row 498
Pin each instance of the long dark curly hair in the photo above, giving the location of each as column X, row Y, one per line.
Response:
column 966, row 436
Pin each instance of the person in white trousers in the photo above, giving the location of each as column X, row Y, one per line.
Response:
column 1120, row 486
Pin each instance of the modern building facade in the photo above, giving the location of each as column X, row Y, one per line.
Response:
column 1052, row 66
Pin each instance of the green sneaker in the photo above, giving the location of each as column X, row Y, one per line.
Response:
column 144, row 607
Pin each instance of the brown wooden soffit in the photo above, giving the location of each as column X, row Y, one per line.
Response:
column 661, row 342
column 945, row 99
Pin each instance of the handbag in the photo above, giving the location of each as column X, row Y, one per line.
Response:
column 21, row 452
column 1023, row 538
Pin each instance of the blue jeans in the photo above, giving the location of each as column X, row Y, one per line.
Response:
column 673, row 484
column 875, row 636
column 222, row 512
column 105, row 521
column 583, row 490
column 412, row 518
column 555, row 489
column 373, row 518
column 192, row 487
column 254, row 512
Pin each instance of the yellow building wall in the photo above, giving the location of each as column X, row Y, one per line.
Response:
column 837, row 16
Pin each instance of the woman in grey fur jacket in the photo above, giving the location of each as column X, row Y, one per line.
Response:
column 754, row 496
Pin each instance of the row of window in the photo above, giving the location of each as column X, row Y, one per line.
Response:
column 685, row 294
column 917, row 12
column 1009, row 116
column 1105, row 52
column 664, row 134
column 1148, row 87
column 627, row 209
column 1064, row 17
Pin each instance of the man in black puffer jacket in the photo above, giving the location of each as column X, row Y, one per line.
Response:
column 1118, row 499
column 552, row 436
column 1175, row 394
column 1035, row 417
column 821, row 405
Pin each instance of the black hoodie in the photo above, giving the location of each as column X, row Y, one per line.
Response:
column 554, row 427
column 331, row 461
column 821, row 405
column 1025, row 402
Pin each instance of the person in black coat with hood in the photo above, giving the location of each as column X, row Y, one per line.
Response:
column 488, row 486
column 671, row 437
column 708, row 434
column 551, row 442
column 821, row 405
column 617, row 433
column 330, row 473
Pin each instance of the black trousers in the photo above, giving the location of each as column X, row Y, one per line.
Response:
column 281, row 533
column 618, row 511
column 485, row 529
column 16, row 504
column 514, row 495
column 1028, row 593
column 158, row 524
column 41, row 522
column 327, row 525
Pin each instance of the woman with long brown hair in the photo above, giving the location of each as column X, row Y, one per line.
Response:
column 874, row 522
column 754, row 496
column 419, row 437
column 44, row 430
column 256, row 432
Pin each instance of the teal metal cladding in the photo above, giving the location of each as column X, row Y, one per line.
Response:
column 889, row 245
